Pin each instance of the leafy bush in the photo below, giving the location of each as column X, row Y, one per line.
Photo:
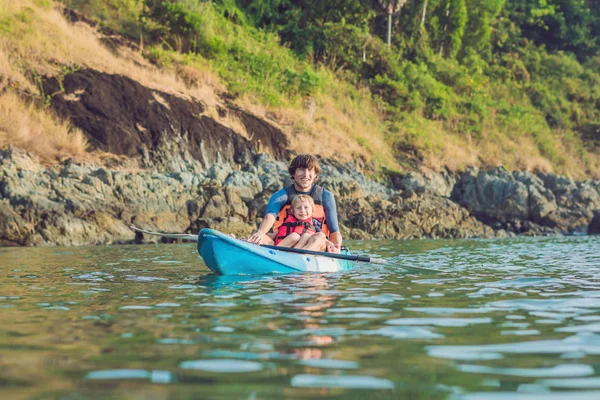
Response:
column 393, row 92
column 181, row 25
column 342, row 46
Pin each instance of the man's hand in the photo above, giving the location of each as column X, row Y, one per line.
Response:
column 331, row 247
column 336, row 239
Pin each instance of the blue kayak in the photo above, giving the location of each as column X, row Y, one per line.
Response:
column 225, row 255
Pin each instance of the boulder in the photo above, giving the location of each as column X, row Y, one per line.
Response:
column 423, row 180
column 272, row 174
column 219, row 171
column 246, row 183
column 14, row 230
column 492, row 196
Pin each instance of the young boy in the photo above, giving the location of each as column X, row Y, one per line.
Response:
column 299, row 226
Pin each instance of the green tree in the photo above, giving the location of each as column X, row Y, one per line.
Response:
column 567, row 25
column 522, row 19
column 392, row 7
column 571, row 27
column 449, row 29
column 457, row 21
column 299, row 23
column 481, row 16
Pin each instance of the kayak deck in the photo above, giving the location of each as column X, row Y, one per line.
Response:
column 225, row 255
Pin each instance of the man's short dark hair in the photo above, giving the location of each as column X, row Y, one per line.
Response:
column 306, row 161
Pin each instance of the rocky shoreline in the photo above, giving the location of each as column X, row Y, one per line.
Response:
column 181, row 170
column 87, row 204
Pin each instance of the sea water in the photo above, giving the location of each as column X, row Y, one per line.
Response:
column 472, row 319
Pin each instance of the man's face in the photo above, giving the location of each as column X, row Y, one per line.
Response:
column 304, row 178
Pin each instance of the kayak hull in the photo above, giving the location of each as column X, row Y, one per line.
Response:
column 225, row 255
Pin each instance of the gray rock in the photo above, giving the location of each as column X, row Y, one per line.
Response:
column 237, row 207
column 215, row 208
column 427, row 180
column 246, row 183
column 272, row 174
column 188, row 178
column 104, row 175
column 587, row 195
column 338, row 177
column 77, row 204
column 76, row 171
column 541, row 203
column 495, row 195
column 14, row 230
column 527, row 203
column 219, row 172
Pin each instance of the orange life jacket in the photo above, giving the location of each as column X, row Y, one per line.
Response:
column 318, row 213
column 301, row 226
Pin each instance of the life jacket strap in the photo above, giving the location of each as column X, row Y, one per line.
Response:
column 290, row 225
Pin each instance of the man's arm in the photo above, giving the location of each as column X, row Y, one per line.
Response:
column 332, row 221
column 276, row 203
column 336, row 239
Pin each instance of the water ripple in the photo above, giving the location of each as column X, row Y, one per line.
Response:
column 222, row 366
column 346, row 382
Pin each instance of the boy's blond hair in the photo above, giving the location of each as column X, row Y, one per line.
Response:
column 303, row 197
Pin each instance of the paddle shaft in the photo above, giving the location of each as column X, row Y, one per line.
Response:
column 350, row 257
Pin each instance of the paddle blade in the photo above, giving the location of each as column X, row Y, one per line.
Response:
column 183, row 236
column 377, row 260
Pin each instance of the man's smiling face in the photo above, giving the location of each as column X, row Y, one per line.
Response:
column 304, row 179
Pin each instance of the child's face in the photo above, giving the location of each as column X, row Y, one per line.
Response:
column 302, row 209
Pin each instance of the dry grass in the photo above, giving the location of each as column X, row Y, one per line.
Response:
column 333, row 124
column 522, row 154
column 454, row 155
column 442, row 148
column 233, row 122
column 44, row 43
column 38, row 131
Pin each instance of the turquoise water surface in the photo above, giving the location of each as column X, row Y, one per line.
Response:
column 499, row 319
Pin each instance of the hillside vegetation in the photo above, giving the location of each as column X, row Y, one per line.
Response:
column 450, row 82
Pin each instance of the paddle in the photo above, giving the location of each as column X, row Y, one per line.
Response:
column 193, row 238
column 288, row 249
column 349, row 257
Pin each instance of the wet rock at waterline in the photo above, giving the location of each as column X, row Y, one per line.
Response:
column 594, row 226
column 524, row 202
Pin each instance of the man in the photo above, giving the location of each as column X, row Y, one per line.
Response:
column 304, row 171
